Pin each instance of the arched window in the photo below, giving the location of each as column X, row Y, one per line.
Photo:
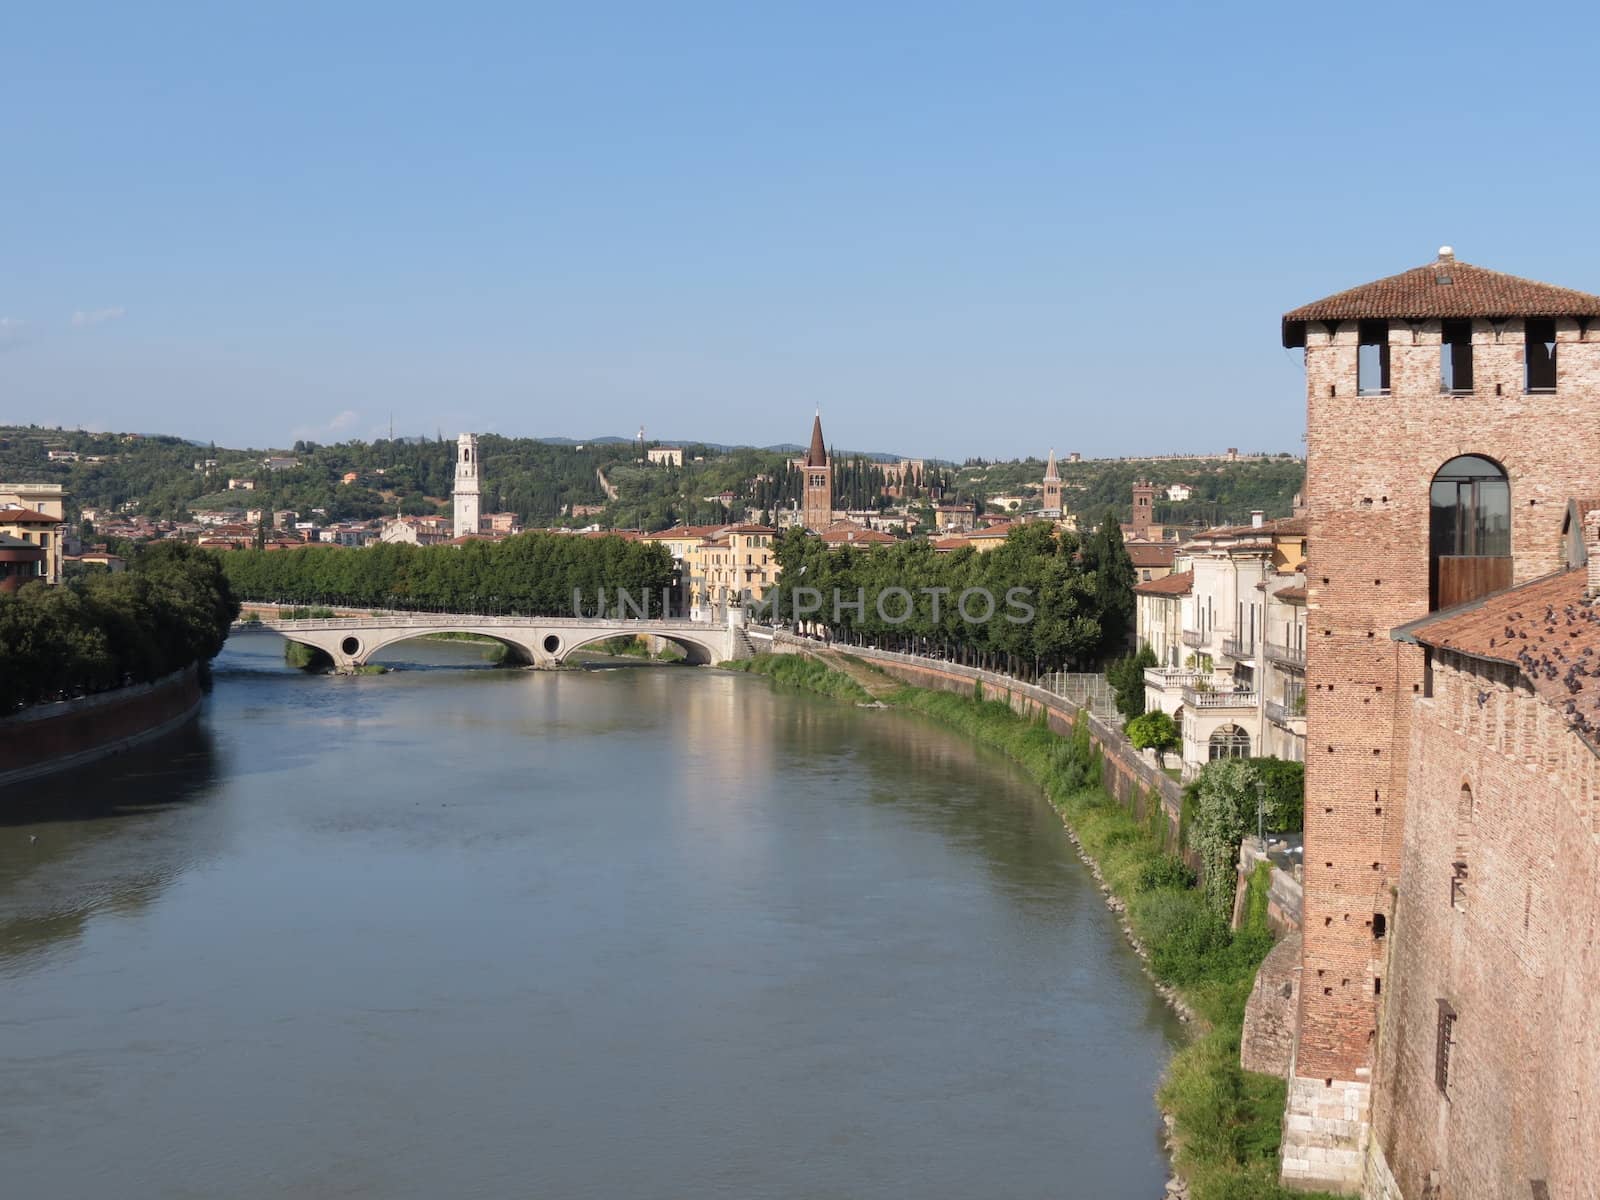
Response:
column 1469, row 531
column 1230, row 741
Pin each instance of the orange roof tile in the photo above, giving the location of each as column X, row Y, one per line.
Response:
column 1168, row 585
column 1443, row 288
column 1546, row 628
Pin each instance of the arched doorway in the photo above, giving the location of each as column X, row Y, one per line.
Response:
column 1469, row 531
column 1228, row 741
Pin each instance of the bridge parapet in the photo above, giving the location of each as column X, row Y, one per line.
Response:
column 537, row 641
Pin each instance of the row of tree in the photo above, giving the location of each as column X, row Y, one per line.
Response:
column 534, row 573
column 1041, row 601
column 169, row 610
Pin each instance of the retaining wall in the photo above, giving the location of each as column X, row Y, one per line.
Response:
column 54, row 737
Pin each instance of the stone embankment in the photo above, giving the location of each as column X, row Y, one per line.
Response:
column 54, row 737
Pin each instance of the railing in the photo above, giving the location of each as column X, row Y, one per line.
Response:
column 1083, row 689
column 1193, row 698
column 446, row 620
column 1173, row 677
column 1238, row 648
column 1286, row 656
column 1193, row 637
column 1282, row 714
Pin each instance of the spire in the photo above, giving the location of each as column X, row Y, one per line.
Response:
column 1050, row 474
column 817, row 456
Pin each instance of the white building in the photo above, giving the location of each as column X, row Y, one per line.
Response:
column 666, row 456
column 1234, row 677
column 466, row 489
column 1179, row 492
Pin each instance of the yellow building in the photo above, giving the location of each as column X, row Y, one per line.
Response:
column 718, row 564
column 39, row 529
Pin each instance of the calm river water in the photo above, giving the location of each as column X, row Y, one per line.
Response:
column 452, row 934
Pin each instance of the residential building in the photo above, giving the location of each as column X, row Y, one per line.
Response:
column 241, row 485
column 665, row 456
column 1445, row 1043
column 501, row 524
column 719, row 564
column 47, row 498
column 1214, row 677
column 1152, row 560
column 280, row 463
column 21, row 561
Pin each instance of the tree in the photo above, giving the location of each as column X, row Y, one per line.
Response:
column 1126, row 677
column 1224, row 798
column 1106, row 560
column 1155, row 731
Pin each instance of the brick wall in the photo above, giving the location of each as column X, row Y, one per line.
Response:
column 1516, row 958
column 51, row 737
column 1370, row 461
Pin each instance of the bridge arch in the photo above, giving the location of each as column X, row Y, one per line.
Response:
column 697, row 653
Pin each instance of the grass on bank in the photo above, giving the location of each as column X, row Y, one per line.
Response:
column 798, row 671
column 1227, row 1121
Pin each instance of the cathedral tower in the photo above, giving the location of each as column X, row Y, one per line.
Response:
column 466, row 489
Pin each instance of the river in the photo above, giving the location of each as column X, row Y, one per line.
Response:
column 643, row 932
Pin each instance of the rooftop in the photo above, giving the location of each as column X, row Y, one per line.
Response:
column 1545, row 628
column 1168, row 585
column 1444, row 288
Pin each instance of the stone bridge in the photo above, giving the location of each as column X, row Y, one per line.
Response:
column 533, row 641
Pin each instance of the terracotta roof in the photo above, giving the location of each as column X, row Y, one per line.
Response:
column 1167, row 585
column 1152, row 554
column 25, row 516
column 1000, row 532
column 1544, row 628
column 817, row 456
column 1292, row 595
column 842, row 533
column 949, row 543
column 1442, row 288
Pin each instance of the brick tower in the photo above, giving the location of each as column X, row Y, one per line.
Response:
column 466, row 489
column 1450, row 413
column 1052, row 486
column 1144, row 507
column 816, row 511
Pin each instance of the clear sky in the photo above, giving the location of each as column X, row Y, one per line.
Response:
column 980, row 228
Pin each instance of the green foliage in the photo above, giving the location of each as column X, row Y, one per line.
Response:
column 169, row 610
column 533, row 573
column 796, row 670
column 1224, row 811
column 1112, row 579
column 1167, row 871
column 1155, row 731
column 1285, row 793
column 1126, row 677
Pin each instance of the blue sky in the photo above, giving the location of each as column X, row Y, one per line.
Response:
column 959, row 228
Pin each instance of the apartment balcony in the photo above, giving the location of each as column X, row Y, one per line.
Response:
column 1173, row 678
column 1194, row 638
column 1282, row 714
column 1193, row 698
column 1292, row 657
column 1239, row 649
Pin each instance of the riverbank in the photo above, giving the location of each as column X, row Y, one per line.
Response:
column 46, row 738
column 1225, row 1124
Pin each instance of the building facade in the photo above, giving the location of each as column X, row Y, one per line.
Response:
column 466, row 489
column 1451, row 415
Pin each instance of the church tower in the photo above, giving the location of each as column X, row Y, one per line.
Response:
column 466, row 490
column 1144, row 507
column 816, row 510
column 1052, row 486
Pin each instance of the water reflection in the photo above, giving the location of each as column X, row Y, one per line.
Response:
column 104, row 838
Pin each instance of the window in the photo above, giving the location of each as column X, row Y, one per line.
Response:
column 1446, row 1037
column 1372, row 359
column 1540, row 355
column 1229, row 742
column 1469, row 524
column 1455, row 357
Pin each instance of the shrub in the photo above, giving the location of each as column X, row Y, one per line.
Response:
column 1168, row 871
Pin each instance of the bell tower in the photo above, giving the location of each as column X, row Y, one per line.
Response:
column 816, row 509
column 466, row 489
column 1052, row 486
